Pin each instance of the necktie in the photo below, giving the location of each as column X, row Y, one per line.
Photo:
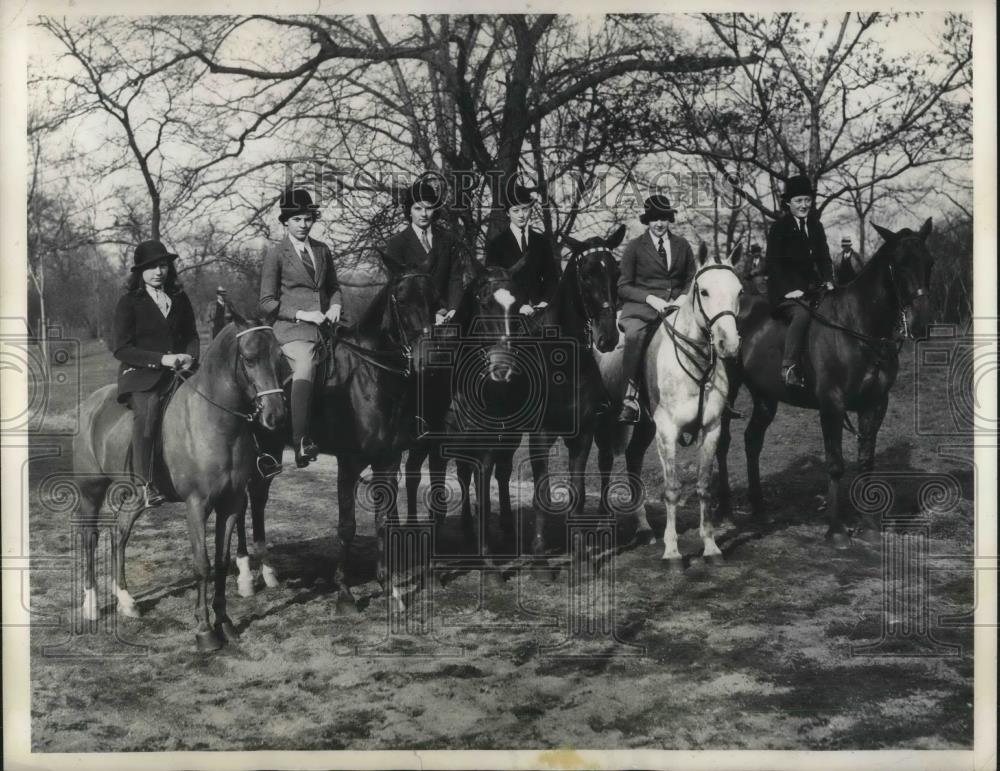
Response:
column 162, row 301
column 662, row 251
column 803, row 228
column 424, row 242
column 524, row 242
column 308, row 263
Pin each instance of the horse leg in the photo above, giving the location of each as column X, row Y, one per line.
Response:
column 259, row 489
column 229, row 510
column 125, row 521
column 504, row 470
column 484, row 473
column 436, row 465
column 642, row 436
column 348, row 473
column 197, row 513
column 832, row 421
column 579, row 450
column 385, row 473
column 92, row 492
column 463, row 471
column 869, row 422
column 764, row 410
column 539, row 447
column 605, row 461
column 244, row 572
column 724, row 509
column 706, row 455
column 412, row 473
column 666, row 447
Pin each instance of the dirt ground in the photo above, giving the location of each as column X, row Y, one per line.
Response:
column 764, row 651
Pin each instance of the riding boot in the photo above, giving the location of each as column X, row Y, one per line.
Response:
column 795, row 342
column 630, row 365
column 305, row 449
column 144, row 406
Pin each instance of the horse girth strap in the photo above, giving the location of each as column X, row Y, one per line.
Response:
column 379, row 359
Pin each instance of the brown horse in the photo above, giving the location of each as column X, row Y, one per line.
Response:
column 850, row 365
column 208, row 452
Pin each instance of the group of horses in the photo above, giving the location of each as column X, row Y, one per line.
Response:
column 386, row 393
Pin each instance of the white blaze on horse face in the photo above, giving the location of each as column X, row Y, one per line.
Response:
column 506, row 300
column 722, row 293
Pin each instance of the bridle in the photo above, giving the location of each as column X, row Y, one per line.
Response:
column 902, row 305
column 240, row 363
column 606, row 307
column 404, row 342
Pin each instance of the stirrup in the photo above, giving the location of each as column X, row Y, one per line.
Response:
column 268, row 466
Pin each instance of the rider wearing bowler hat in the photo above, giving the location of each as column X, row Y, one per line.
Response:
column 154, row 336
column 299, row 290
column 424, row 248
column 656, row 268
column 798, row 262
column 536, row 274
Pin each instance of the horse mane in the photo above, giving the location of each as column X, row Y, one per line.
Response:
column 371, row 317
column 465, row 310
column 881, row 254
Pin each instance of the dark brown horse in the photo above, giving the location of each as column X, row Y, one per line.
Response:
column 365, row 413
column 208, row 454
column 850, row 365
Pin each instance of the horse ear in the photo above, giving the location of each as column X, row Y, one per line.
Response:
column 736, row 255
column 616, row 238
column 926, row 228
column 573, row 244
column 887, row 235
column 702, row 253
column 237, row 316
column 477, row 269
column 390, row 265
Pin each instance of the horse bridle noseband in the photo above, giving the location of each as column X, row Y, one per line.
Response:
column 250, row 417
column 921, row 292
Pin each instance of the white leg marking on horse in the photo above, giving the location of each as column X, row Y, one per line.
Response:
column 126, row 603
column 89, row 608
column 266, row 568
column 706, row 457
column 244, row 577
column 666, row 447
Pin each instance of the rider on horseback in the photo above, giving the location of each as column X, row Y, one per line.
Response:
column 798, row 262
column 155, row 335
column 656, row 268
column 299, row 289
column 525, row 252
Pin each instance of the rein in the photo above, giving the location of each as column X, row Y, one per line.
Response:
column 702, row 356
column 250, row 417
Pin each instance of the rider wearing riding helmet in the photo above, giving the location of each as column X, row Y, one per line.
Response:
column 528, row 253
column 798, row 263
column 155, row 336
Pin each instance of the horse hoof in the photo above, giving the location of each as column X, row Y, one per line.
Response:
column 673, row 564
column 228, row 630
column 270, row 577
column 208, row 641
column 128, row 609
column 644, row 538
column 839, row 541
column 245, row 588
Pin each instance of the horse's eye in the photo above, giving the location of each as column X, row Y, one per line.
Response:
column 704, row 293
column 741, row 292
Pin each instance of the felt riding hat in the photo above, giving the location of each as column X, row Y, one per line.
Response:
column 657, row 207
column 796, row 186
column 149, row 253
column 846, row 241
column 295, row 202
column 754, row 248
column 517, row 194
column 423, row 191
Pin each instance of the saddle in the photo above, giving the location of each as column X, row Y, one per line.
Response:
column 158, row 468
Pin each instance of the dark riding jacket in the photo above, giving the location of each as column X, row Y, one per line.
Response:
column 443, row 263
column 538, row 278
column 142, row 336
column 795, row 260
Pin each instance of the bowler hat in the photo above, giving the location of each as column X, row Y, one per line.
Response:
column 295, row 202
column 846, row 241
column 797, row 186
column 657, row 207
column 423, row 191
column 517, row 194
column 754, row 248
column 150, row 252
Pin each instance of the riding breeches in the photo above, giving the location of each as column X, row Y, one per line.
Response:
column 301, row 355
column 144, row 405
column 797, row 317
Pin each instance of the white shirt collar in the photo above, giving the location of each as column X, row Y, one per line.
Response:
column 517, row 232
column 429, row 232
column 299, row 245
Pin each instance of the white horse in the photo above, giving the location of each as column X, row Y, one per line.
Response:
column 687, row 385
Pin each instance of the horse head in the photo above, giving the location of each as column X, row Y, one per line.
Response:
column 258, row 357
column 408, row 317
column 594, row 271
column 716, row 291
column 484, row 319
column 910, row 263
